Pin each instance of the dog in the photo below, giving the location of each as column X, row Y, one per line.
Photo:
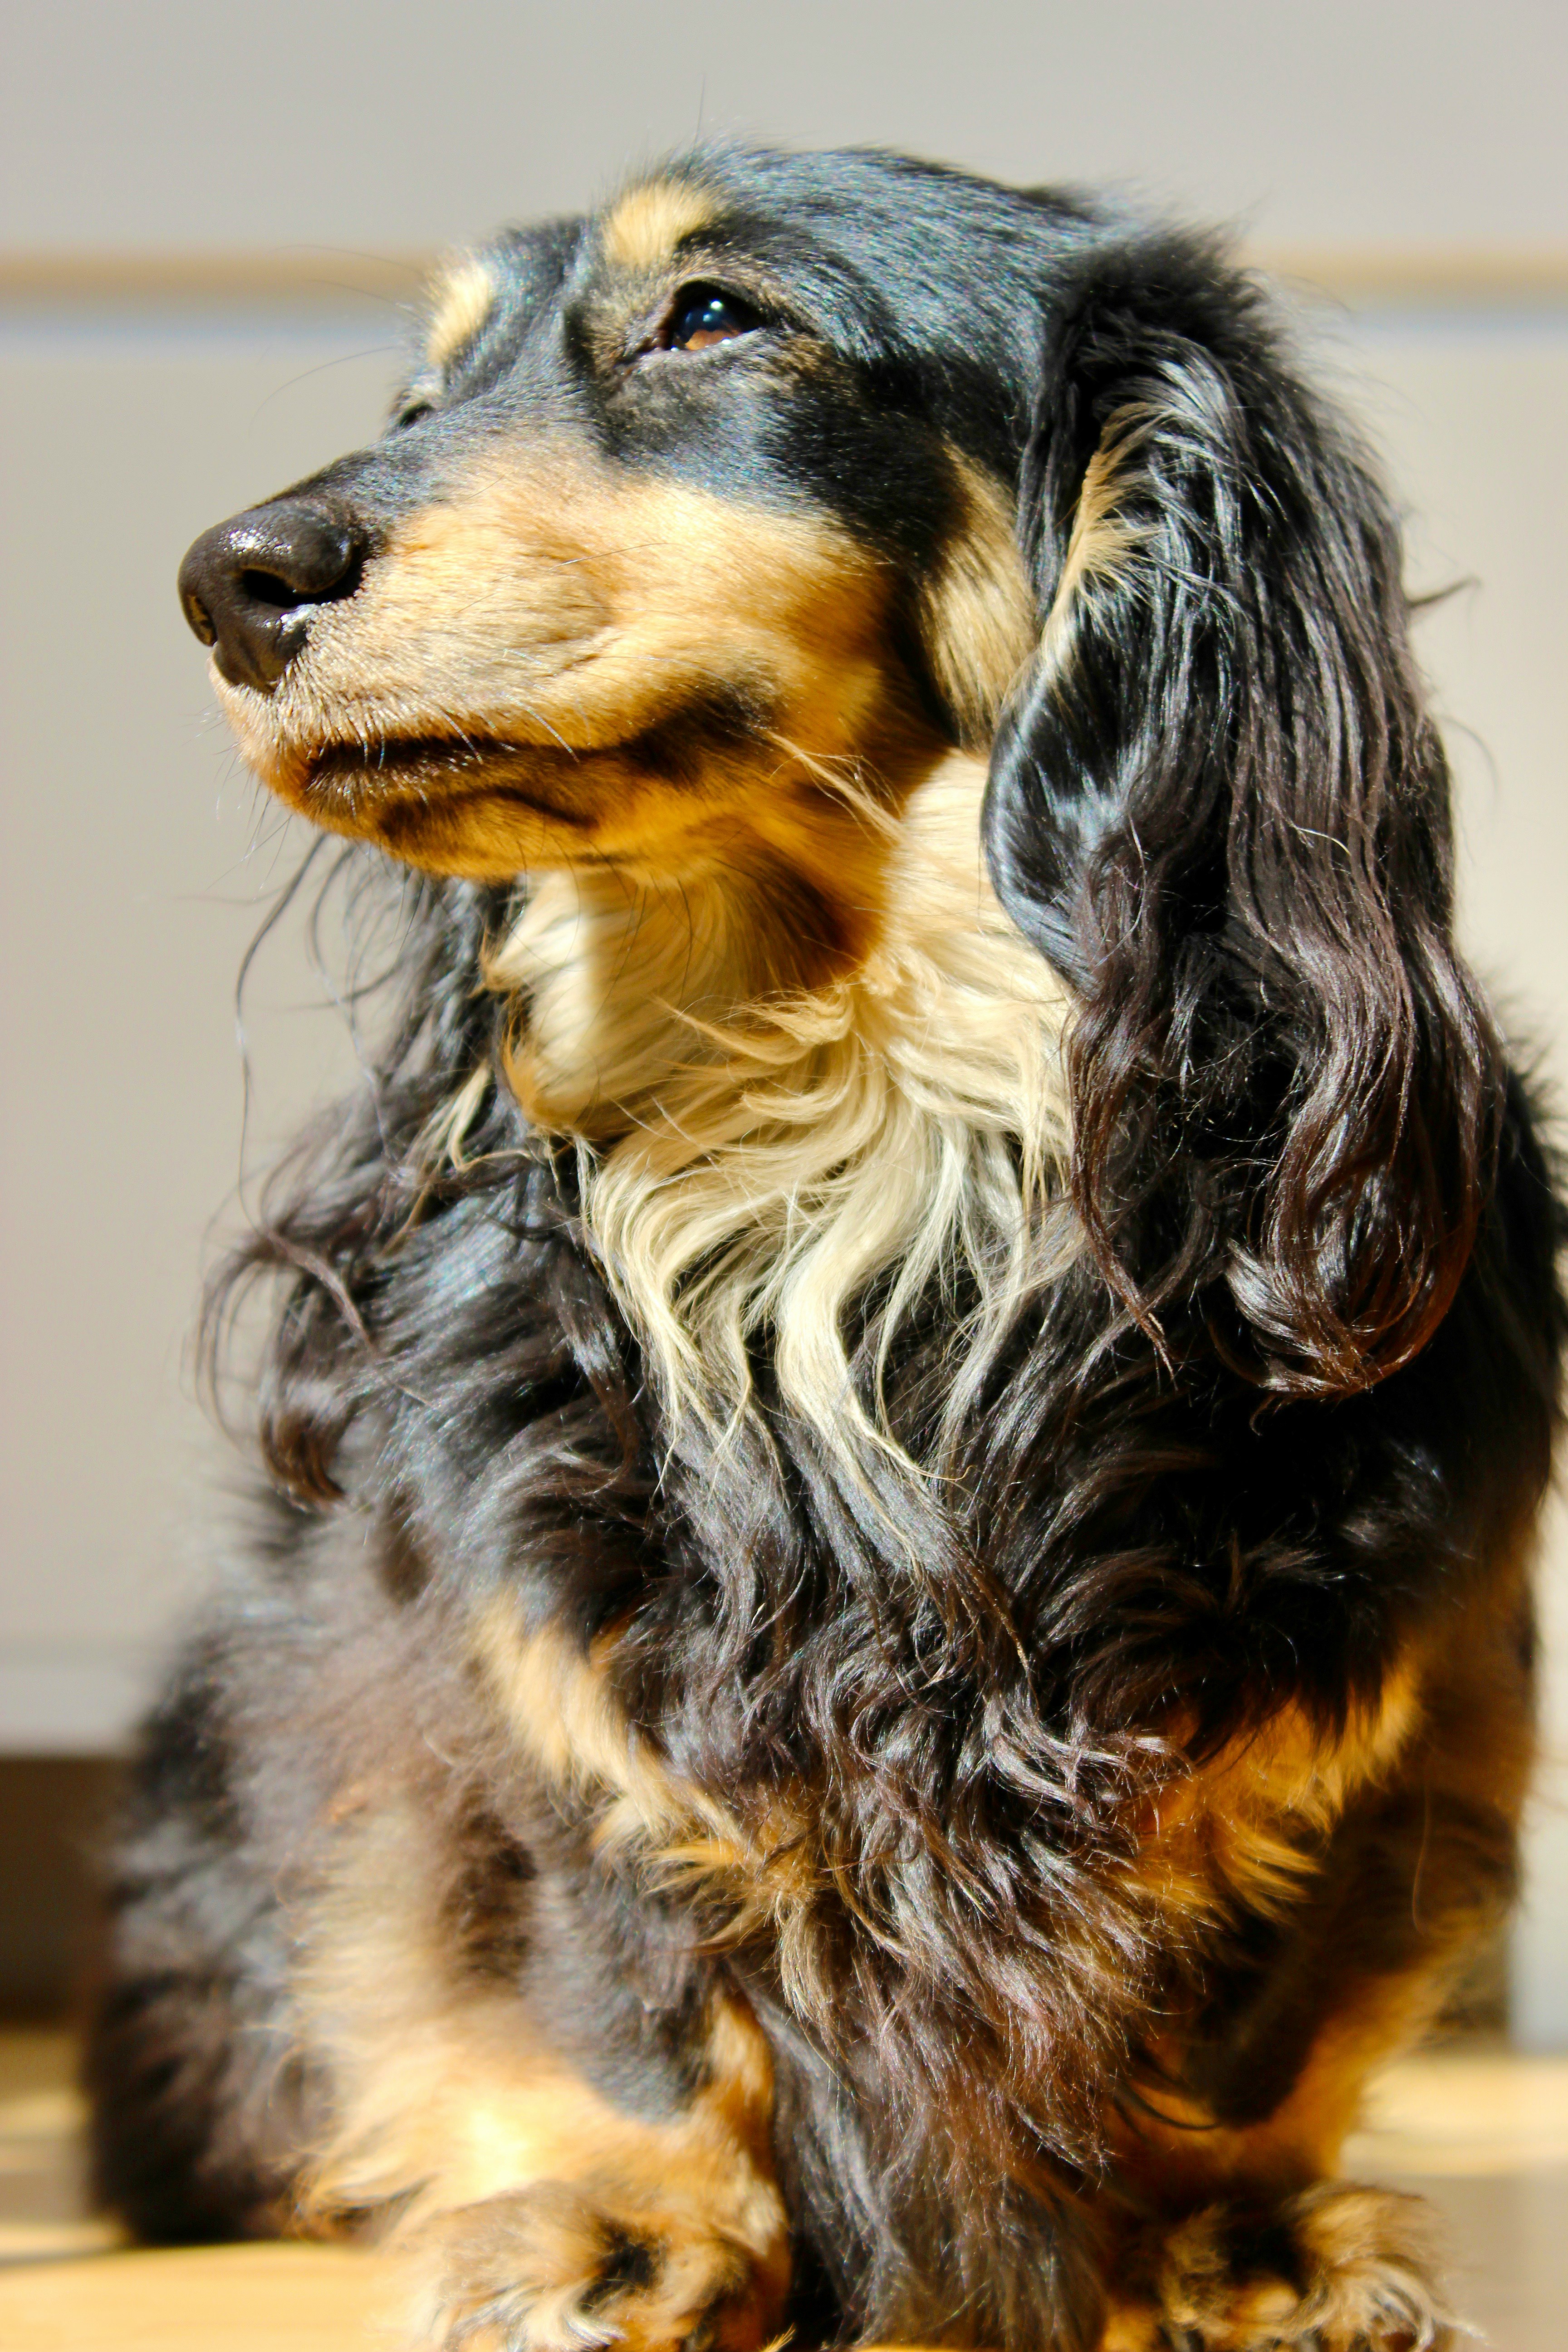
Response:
column 886, row 1644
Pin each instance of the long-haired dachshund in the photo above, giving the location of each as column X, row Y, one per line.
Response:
column 890, row 1644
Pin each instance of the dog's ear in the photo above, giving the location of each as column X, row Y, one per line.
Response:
column 1217, row 805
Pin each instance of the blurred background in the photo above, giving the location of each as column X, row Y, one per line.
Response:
column 213, row 220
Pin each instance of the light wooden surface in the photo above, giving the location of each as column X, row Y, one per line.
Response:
column 210, row 2299
column 1484, row 2134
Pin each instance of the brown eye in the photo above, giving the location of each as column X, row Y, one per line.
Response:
column 702, row 316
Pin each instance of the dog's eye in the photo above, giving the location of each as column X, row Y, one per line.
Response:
column 702, row 316
column 413, row 411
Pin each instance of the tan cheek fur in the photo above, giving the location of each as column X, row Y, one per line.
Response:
column 977, row 614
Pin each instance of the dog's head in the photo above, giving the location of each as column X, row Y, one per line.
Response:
column 706, row 521
column 689, row 514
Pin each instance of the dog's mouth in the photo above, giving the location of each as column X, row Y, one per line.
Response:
column 485, row 804
column 347, row 781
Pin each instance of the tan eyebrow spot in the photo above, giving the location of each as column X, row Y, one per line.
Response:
column 646, row 223
column 461, row 300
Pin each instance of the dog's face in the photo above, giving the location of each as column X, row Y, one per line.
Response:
column 674, row 535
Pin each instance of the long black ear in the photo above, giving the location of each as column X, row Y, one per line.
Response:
column 1217, row 805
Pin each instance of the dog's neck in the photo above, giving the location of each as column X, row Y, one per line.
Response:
column 760, row 1145
column 627, row 979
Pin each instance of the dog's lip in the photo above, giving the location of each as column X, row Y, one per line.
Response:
column 463, row 766
column 390, row 755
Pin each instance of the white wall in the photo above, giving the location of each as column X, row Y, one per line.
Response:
column 1472, row 414
column 137, row 858
column 206, row 123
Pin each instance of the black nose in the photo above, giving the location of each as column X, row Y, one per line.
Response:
column 249, row 586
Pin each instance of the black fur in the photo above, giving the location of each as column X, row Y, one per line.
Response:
column 1283, row 1425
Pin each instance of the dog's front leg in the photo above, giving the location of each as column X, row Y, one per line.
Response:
column 545, row 2188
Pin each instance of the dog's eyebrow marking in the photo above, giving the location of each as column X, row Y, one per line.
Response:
column 645, row 225
column 461, row 299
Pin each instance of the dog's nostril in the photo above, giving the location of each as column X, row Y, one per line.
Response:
column 248, row 587
column 267, row 588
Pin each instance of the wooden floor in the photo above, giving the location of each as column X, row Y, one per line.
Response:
column 1484, row 2135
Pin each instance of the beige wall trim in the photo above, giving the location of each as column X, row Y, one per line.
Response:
column 1485, row 276
column 1479, row 277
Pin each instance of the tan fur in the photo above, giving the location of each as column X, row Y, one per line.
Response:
column 459, row 302
column 563, row 1712
column 977, row 613
column 1172, row 2149
column 560, row 1708
column 535, row 2271
column 1245, row 1828
column 644, row 227
column 623, row 975
column 561, row 610
column 778, row 1156
column 443, row 2101
column 1452, row 1721
column 1100, row 543
column 1367, row 2284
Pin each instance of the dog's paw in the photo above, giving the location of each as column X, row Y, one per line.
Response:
column 558, row 2268
column 1336, row 2269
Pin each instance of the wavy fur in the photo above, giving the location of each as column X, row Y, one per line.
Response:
column 904, row 1419
column 904, row 1127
